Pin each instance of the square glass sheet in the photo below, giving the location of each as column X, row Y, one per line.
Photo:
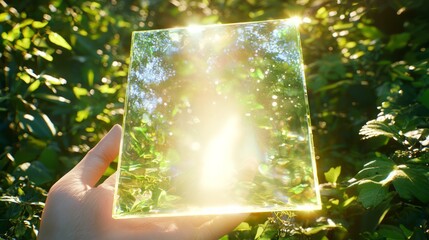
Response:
column 216, row 121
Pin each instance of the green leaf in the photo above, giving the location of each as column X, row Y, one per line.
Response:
column 24, row 43
column 413, row 183
column 37, row 123
column 332, row 175
column 36, row 172
column 49, row 158
column 45, row 55
column 391, row 232
column 398, row 41
column 375, row 128
column 29, row 151
column 57, row 39
column 34, row 86
column 52, row 98
column 259, row 232
column 20, row 230
column 424, row 98
column 12, row 35
column 334, row 85
column 372, row 193
column 321, row 13
column 83, row 114
column 38, row 24
column 27, row 32
column 376, row 170
column 53, row 80
column 25, row 77
column 314, row 230
column 4, row 16
column 406, row 231
column 107, row 89
column 244, row 226
column 370, row 32
column 78, row 92
column 91, row 77
column 26, row 22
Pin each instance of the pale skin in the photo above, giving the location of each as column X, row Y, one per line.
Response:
column 78, row 209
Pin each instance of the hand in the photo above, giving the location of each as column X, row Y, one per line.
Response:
column 77, row 209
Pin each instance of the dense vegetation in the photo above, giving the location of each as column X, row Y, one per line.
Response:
column 63, row 74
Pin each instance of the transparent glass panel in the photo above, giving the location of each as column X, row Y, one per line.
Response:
column 216, row 121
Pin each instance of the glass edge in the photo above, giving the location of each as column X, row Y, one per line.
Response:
column 292, row 21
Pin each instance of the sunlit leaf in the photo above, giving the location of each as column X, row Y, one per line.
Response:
column 79, row 92
column 24, row 43
column 26, row 22
column 34, row 86
column 333, row 174
column 57, row 39
column 4, row 16
column 12, row 34
column 314, row 230
column 37, row 123
column 413, row 183
column 103, row 118
column 107, row 89
column 83, row 114
column 256, row 14
column 43, row 54
column 321, row 13
column 52, row 98
column 244, row 226
column 335, row 85
column 370, row 32
column 27, row 32
column 259, row 232
column 24, row 76
column 53, row 80
column 376, row 170
column 376, row 128
column 31, row 73
column 38, row 24
column 90, row 77
column 36, row 172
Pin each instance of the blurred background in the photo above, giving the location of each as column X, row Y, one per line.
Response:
column 63, row 72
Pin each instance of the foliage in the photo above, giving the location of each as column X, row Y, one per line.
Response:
column 64, row 66
column 63, row 69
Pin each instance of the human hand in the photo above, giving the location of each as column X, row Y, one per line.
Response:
column 77, row 209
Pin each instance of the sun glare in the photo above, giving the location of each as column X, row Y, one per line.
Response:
column 193, row 28
column 296, row 20
column 218, row 156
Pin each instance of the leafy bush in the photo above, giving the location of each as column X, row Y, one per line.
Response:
column 64, row 67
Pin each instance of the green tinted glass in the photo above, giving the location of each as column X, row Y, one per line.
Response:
column 216, row 121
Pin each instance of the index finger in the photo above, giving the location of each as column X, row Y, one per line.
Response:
column 93, row 165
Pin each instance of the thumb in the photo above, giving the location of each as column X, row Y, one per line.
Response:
column 93, row 165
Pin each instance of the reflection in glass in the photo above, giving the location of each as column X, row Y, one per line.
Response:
column 216, row 122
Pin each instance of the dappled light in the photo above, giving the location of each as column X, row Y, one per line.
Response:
column 63, row 80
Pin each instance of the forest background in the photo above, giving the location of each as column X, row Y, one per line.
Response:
column 63, row 72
